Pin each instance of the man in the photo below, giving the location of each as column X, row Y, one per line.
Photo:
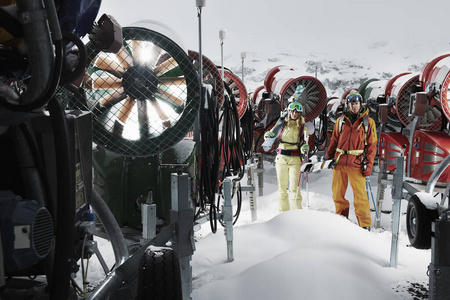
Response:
column 353, row 147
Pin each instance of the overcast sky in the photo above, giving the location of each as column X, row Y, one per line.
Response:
column 341, row 27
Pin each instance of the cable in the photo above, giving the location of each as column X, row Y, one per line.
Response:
column 209, row 162
column 247, row 121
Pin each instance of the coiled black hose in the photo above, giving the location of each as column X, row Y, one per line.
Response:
column 209, row 162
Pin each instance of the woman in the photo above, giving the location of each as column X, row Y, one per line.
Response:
column 288, row 160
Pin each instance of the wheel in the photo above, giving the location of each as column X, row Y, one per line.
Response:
column 159, row 275
column 418, row 223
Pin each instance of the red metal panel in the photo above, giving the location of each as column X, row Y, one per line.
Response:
column 391, row 146
column 428, row 150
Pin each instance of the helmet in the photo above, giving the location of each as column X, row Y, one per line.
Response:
column 295, row 106
column 353, row 97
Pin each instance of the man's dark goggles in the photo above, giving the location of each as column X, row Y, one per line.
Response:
column 353, row 99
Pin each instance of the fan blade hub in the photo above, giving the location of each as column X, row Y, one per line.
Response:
column 140, row 82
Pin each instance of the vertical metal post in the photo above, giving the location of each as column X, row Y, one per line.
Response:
column 183, row 215
column 397, row 195
column 148, row 215
column 260, row 171
column 250, row 182
column 382, row 176
column 222, row 36
column 243, row 55
column 228, row 218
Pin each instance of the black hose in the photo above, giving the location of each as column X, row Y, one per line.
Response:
column 39, row 94
column 231, row 147
column 231, row 144
column 65, row 206
column 209, row 162
column 247, row 121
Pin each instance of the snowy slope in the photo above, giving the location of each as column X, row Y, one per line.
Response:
column 307, row 254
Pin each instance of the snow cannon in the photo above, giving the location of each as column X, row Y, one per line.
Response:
column 238, row 89
column 211, row 74
column 144, row 100
column 284, row 82
column 403, row 95
column 258, row 97
column 435, row 78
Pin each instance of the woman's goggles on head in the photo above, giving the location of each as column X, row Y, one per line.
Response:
column 354, row 98
column 295, row 106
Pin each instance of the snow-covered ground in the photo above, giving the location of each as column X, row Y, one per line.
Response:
column 307, row 254
column 310, row 253
column 302, row 254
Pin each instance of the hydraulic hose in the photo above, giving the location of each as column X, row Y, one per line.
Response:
column 247, row 121
column 65, row 207
column 231, row 148
column 112, row 228
column 209, row 163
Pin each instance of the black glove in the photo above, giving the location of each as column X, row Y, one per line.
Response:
column 332, row 163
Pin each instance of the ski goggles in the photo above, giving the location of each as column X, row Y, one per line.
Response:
column 295, row 106
column 353, row 99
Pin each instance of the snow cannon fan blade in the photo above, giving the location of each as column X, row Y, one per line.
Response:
column 211, row 74
column 144, row 98
column 403, row 94
column 238, row 89
column 313, row 97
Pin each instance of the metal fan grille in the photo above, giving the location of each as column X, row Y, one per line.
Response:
column 313, row 98
column 211, row 74
column 239, row 91
column 445, row 101
column 433, row 117
column 144, row 99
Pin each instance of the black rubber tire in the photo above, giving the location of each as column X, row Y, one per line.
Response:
column 418, row 223
column 159, row 275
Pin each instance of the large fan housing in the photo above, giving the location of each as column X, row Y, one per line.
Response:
column 211, row 74
column 407, row 86
column 435, row 77
column 284, row 83
column 238, row 89
column 144, row 98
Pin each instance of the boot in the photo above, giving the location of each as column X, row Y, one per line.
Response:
column 345, row 212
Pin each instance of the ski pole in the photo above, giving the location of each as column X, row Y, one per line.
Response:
column 369, row 187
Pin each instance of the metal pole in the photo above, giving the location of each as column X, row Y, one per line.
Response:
column 222, row 36
column 243, row 55
column 200, row 4
column 397, row 195
column 182, row 214
column 228, row 218
column 251, row 183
